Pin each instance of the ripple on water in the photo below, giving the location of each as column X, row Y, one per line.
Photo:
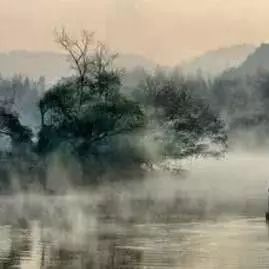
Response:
column 242, row 243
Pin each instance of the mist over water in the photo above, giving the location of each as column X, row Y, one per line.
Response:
column 114, row 161
column 240, row 178
column 212, row 217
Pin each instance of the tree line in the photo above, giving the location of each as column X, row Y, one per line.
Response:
column 106, row 127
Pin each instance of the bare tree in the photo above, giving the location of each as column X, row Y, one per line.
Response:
column 88, row 58
column 78, row 50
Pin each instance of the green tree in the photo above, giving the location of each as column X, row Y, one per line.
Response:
column 11, row 126
column 182, row 123
column 86, row 110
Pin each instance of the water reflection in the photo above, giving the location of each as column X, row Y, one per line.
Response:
column 241, row 243
column 160, row 223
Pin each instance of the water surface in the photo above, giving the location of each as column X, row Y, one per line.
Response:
column 225, row 243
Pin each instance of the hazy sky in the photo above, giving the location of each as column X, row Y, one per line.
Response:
column 166, row 31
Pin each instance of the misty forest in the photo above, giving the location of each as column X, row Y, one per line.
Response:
column 109, row 124
column 109, row 160
column 104, row 126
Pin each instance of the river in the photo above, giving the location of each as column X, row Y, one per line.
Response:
column 238, row 243
column 68, row 231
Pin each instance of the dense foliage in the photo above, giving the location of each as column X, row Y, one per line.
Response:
column 183, row 123
column 107, row 125
column 86, row 114
column 243, row 103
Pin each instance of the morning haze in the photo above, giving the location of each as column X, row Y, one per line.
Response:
column 145, row 160
column 165, row 31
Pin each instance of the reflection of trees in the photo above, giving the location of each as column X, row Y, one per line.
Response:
column 57, row 246
column 101, row 252
column 20, row 246
column 98, row 251
column 127, row 258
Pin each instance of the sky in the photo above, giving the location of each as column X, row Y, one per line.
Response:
column 166, row 31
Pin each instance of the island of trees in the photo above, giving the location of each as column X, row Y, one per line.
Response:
column 109, row 129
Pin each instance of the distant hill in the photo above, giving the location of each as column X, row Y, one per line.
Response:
column 54, row 65
column 255, row 62
column 34, row 64
column 134, row 61
column 215, row 62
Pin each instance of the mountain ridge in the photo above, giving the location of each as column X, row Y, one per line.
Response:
column 54, row 65
column 215, row 62
column 255, row 62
